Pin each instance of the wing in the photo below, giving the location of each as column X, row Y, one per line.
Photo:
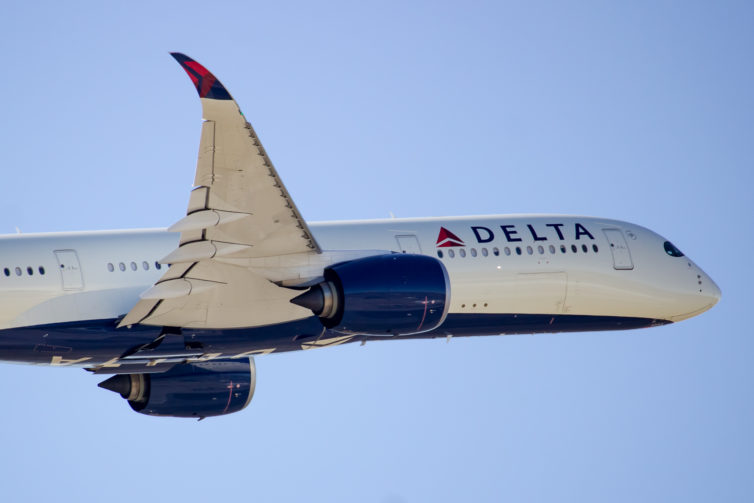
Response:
column 239, row 213
column 236, row 183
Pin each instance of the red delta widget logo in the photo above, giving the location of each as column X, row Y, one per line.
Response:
column 447, row 239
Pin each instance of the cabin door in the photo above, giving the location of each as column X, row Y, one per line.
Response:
column 70, row 269
column 619, row 249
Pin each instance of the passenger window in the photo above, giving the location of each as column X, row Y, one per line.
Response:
column 6, row 271
column 157, row 266
column 574, row 249
column 451, row 253
column 496, row 251
column 41, row 270
column 518, row 250
column 541, row 250
column 462, row 252
column 473, row 252
column 145, row 265
column 584, row 248
column 439, row 254
column 18, row 271
column 594, row 247
column 484, row 252
column 110, row 267
column 507, row 251
column 133, row 266
column 122, row 266
column 529, row 250
column 552, row 249
column 29, row 271
column 562, row 249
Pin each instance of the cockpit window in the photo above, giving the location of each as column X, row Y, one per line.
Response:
column 671, row 250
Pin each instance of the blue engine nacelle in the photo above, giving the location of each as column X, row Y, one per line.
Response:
column 395, row 294
column 196, row 390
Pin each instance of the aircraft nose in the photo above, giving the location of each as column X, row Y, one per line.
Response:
column 711, row 290
column 709, row 293
column 704, row 295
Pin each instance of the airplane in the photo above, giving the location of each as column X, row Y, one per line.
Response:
column 174, row 317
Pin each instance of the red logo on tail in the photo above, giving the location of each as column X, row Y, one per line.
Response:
column 446, row 239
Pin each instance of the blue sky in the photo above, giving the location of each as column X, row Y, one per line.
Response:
column 641, row 112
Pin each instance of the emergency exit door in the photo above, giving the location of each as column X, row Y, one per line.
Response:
column 70, row 269
column 408, row 243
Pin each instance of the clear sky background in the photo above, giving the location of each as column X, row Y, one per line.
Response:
column 642, row 112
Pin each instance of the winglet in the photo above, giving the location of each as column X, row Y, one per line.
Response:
column 206, row 84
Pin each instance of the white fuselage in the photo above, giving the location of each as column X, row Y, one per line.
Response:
column 534, row 264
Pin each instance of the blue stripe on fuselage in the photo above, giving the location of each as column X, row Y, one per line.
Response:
column 99, row 341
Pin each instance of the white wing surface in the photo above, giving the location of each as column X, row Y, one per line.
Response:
column 238, row 213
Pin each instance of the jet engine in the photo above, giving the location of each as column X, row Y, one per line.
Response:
column 392, row 294
column 198, row 390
